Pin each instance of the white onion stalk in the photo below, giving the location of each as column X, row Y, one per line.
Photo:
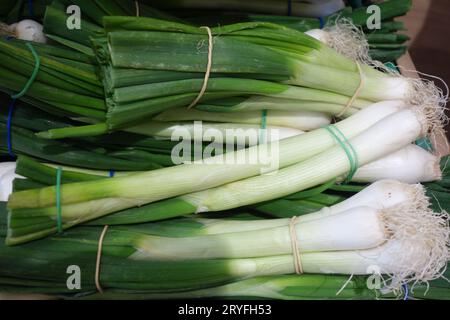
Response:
column 411, row 164
column 301, row 120
column 398, row 262
column 292, row 149
column 320, row 35
column 28, row 30
column 85, row 201
column 386, row 134
column 7, row 176
column 405, row 242
column 347, row 39
column 240, row 134
column 380, row 195
column 356, row 229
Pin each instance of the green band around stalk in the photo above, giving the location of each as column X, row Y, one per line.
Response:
column 347, row 147
column 262, row 136
column 33, row 76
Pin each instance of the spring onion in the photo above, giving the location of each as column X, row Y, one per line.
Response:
column 89, row 200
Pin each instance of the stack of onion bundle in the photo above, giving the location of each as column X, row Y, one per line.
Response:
column 305, row 161
column 198, row 254
column 411, row 164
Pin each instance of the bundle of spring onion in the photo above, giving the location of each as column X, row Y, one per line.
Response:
column 393, row 229
column 305, row 160
column 384, row 42
column 65, row 83
column 283, row 69
column 411, row 164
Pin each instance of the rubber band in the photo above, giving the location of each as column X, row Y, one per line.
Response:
column 98, row 260
column 424, row 143
column 322, row 22
column 8, row 127
column 348, row 149
column 208, row 68
column 391, row 66
column 112, row 173
column 30, row 8
column 58, row 200
column 406, row 290
column 294, row 243
column 262, row 135
column 136, row 4
column 355, row 95
column 30, row 81
column 289, row 9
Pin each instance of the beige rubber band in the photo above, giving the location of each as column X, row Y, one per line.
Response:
column 208, row 68
column 355, row 95
column 136, row 4
column 294, row 243
column 99, row 257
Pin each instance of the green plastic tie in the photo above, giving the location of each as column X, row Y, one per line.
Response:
column 58, row 200
column 348, row 149
column 262, row 135
column 30, row 81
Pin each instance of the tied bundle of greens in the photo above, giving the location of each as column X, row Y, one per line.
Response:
column 44, row 174
column 204, row 256
column 65, row 81
column 305, row 161
column 282, row 69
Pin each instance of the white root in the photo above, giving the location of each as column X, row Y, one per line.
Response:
column 349, row 40
column 424, row 236
column 415, row 251
column 417, row 245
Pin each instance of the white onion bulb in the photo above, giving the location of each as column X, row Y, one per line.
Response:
column 29, row 30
